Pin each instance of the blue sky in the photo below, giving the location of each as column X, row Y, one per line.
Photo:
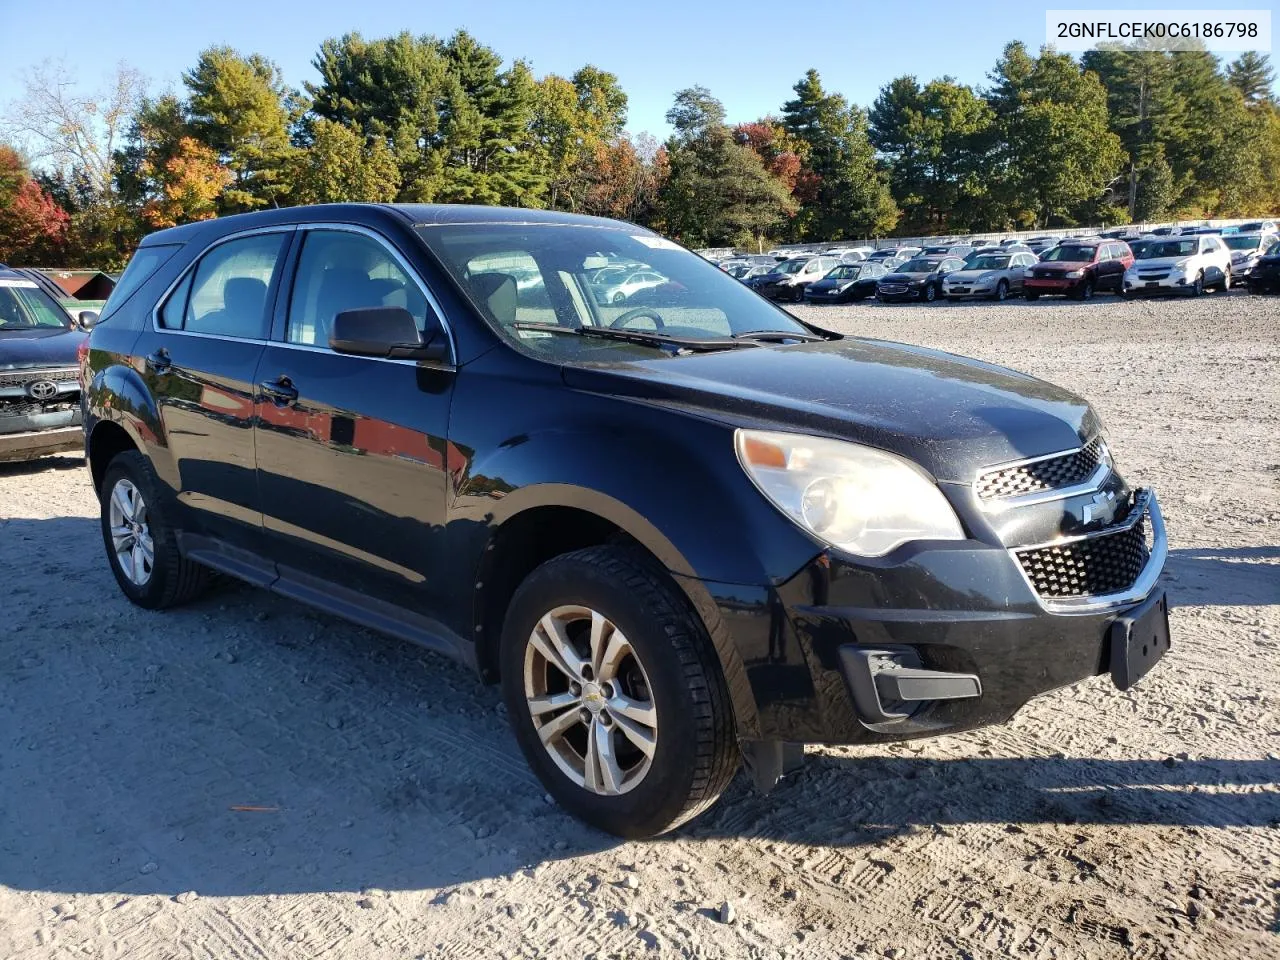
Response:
column 748, row 52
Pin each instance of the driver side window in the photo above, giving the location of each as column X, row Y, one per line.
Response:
column 339, row 271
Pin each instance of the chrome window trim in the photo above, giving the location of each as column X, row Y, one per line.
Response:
column 299, row 228
column 1144, row 505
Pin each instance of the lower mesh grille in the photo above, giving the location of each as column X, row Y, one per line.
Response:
column 1108, row 563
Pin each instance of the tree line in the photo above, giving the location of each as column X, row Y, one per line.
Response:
column 1123, row 134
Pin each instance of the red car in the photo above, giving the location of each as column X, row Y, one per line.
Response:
column 1079, row 269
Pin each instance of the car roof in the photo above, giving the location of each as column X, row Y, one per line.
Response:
column 413, row 214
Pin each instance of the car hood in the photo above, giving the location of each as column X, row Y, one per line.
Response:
column 39, row 348
column 950, row 414
column 825, row 284
column 1061, row 266
column 1159, row 263
column 968, row 276
column 904, row 277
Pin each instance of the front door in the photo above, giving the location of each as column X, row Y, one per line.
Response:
column 200, row 358
column 351, row 451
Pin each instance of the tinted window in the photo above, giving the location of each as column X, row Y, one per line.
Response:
column 229, row 289
column 144, row 263
column 173, row 309
column 23, row 305
column 1070, row 252
column 340, row 271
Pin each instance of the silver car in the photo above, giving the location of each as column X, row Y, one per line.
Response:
column 994, row 275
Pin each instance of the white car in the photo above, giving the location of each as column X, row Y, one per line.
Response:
column 1185, row 264
column 619, row 289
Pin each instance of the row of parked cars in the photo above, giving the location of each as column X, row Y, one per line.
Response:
column 1189, row 261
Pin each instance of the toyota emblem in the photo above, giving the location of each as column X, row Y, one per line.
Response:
column 42, row 389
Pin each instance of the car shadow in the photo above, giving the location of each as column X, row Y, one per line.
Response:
column 1210, row 576
column 23, row 468
column 244, row 744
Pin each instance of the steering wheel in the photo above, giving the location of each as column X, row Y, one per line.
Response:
column 630, row 315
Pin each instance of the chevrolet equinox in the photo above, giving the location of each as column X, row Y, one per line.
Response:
column 682, row 529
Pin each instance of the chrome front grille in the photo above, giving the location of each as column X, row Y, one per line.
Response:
column 19, row 378
column 1095, row 565
column 1047, row 473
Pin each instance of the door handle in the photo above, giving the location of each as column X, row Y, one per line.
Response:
column 159, row 362
column 281, row 391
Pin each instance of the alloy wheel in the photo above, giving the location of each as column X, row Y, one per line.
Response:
column 130, row 533
column 590, row 700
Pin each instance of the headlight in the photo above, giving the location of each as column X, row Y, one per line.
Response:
column 983, row 278
column 1027, row 273
column 855, row 498
column 1074, row 275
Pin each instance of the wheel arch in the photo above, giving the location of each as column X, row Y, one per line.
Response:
column 549, row 520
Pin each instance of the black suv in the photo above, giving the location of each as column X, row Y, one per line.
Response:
column 679, row 530
column 39, row 386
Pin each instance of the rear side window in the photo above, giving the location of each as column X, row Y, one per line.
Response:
column 227, row 294
column 144, row 263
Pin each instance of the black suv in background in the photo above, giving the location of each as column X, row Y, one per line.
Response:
column 39, row 389
column 678, row 530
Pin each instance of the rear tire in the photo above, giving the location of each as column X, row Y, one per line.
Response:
column 1197, row 288
column 141, row 545
column 671, row 671
column 1225, row 286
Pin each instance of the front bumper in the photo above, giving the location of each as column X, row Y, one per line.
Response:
column 965, row 290
column 38, row 443
column 1049, row 285
column 1158, row 286
column 908, row 293
column 957, row 609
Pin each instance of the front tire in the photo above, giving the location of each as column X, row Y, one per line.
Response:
column 1086, row 290
column 930, row 293
column 615, row 693
column 1031, row 295
column 141, row 545
column 1002, row 290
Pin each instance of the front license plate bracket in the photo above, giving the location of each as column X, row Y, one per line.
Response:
column 1138, row 640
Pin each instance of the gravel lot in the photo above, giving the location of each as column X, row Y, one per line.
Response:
column 244, row 778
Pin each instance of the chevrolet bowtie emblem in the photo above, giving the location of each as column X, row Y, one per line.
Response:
column 1101, row 507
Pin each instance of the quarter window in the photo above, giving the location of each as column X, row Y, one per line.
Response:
column 227, row 295
column 339, row 271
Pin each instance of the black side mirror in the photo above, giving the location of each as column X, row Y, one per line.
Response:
column 389, row 332
column 87, row 319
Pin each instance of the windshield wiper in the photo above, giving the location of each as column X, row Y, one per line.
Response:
column 648, row 338
column 777, row 336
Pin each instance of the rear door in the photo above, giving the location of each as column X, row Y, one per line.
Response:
column 200, row 353
column 351, row 451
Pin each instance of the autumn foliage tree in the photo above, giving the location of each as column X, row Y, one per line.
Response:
column 33, row 228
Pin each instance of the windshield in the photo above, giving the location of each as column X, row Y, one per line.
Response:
column 1070, row 252
column 988, row 263
column 519, row 275
column 1241, row 242
column 790, row 266
column 1170, row 248
column 918, row 266
column 844, row 272
column 24, row 306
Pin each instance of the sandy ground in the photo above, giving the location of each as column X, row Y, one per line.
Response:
column 391, row 816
